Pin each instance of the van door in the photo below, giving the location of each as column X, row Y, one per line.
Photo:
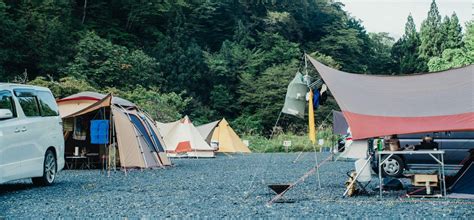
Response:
column 11, row 140
column 31, row 131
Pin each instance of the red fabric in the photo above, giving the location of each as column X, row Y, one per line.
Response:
column 184, row 146
column 367, row 126
column 78, row 98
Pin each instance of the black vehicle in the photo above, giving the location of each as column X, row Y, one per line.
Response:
column 456, row 145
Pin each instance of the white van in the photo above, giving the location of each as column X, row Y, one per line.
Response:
column 31, row 139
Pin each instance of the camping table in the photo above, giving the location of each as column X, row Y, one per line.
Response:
column 432, row 153
column 74, row 160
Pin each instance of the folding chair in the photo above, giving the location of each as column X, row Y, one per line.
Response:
column 362, row 177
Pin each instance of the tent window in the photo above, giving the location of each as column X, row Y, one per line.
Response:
column 155, row 138
column 138, row 124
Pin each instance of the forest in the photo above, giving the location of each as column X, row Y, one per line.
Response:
column 211, row 59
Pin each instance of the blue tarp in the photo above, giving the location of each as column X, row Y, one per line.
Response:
column 99, row 131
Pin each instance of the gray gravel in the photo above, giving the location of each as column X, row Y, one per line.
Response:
column 221, row 187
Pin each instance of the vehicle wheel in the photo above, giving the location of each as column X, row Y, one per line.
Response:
column 50, row 169
column 393, row 167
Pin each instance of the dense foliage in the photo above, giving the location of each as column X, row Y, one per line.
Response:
column 208, row 59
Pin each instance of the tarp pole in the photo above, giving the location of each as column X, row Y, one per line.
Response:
column 316, row 165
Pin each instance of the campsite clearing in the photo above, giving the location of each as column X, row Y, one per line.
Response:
column 214, row 188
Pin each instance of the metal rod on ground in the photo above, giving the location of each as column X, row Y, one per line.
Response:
column 357, row 176
column 301, row 179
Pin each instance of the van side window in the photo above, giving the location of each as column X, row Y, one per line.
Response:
column 48, row 104
column 29, row 105
column 6, row 102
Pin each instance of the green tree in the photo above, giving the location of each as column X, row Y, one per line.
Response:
column 405, row 51
column 431, row 34
column 452, row 32
column 105, row 64
column 64, row 87
column 163, row 107
column 453, row 58
column 381, row 61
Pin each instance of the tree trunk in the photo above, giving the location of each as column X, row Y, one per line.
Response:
column 84, row 11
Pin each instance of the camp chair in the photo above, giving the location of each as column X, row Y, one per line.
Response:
column 362, row 177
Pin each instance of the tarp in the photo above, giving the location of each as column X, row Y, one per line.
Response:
column 228, row 141
column 97, row 96
column 74, row 103
column 376, row 105
column 99, row 132
column 183, row 139
column 295, row 100
column 77, row 110
column 339, row 123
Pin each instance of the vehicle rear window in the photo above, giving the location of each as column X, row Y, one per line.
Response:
column 6, row 102
column 30, row 107
column 48, row 104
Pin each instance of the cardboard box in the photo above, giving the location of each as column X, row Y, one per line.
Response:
column 423, row 179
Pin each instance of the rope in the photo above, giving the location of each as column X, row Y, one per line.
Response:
column 301, row 179
column 252, row 182
column 319, row 128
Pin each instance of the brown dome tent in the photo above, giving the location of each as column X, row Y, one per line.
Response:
column 134, row 140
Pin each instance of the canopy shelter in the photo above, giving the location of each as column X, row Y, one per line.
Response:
column 376, row 105
column 182, row 139
column 129, row 131
column 221, row 133
column 339, row 123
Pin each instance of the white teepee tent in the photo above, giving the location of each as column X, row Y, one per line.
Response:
column 182, row 139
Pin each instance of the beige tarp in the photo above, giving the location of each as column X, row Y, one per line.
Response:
column 69, row 107
column 105, row 102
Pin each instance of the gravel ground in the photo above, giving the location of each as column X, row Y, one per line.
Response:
column 210, row 188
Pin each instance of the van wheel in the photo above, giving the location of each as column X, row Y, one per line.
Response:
column 393, row 167
column 50, row 169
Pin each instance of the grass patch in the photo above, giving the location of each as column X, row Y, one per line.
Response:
column 261, row 144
